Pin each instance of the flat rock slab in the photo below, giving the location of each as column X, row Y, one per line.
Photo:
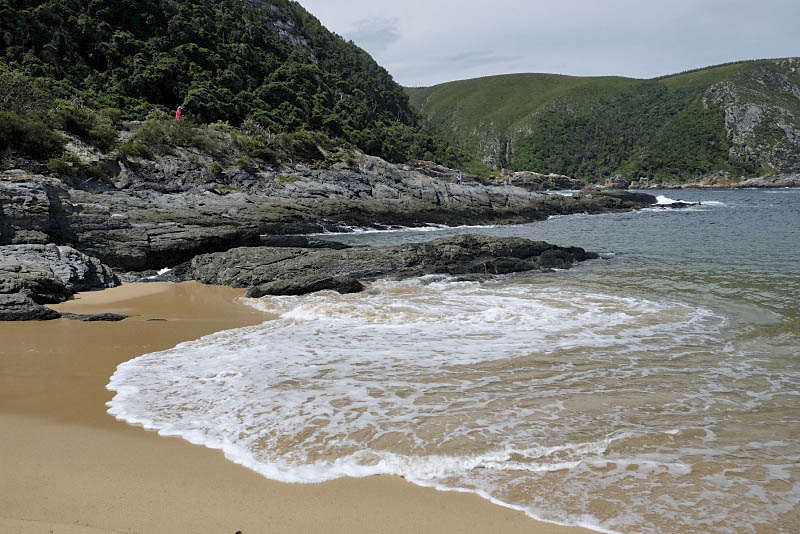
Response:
column 306, row 284
column 105, row 317
column 293, row 271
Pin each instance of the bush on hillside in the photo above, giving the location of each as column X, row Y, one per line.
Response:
column 274, row 66
column 29, row 138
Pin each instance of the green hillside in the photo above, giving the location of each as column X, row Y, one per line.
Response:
column 736, row 119
column 268, row 67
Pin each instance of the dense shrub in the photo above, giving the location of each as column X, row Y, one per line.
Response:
column 74, row 119
column 274, row 68
column 30, row 138
column 133, row 148
column 215, row 168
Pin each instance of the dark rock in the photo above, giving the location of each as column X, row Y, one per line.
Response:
column 138, row 276
column 32, row 275
column 306, row 284
column 554, row 259
column 108, row 317
column 614, row 199
column 162, row 213
column 678, row 204
column 19, row 307
column 76, row 270
column 461, row 255
column 299, row 241
column 37, row 282
column 30, row 206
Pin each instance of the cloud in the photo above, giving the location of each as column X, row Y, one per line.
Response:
column 424, row 42
column 481, row 58
column 375, row 35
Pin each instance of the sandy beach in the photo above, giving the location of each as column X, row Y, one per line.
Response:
column 67, row 467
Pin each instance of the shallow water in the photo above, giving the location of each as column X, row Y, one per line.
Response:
column 655, row 390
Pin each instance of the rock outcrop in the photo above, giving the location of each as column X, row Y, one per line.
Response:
column 33, row 275
column 534, row 181
column 307, row 284
column 18, row 307
column 30, row 208
column 294, row 271
column 783, row 180
column 755, row 108
column 613, row 199
column 163, row 212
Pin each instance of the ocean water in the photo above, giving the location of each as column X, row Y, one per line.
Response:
column 656, row 390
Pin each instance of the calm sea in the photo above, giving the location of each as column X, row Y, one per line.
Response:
column 656, row 390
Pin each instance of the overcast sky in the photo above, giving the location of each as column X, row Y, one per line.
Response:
column 425, row 42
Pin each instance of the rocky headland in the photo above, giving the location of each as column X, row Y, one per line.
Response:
column 712, row 182
column 247, row 229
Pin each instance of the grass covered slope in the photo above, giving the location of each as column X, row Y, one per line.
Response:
column 736, row 119
column 267, row 63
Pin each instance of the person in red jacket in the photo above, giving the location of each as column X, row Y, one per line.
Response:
column 178, row 113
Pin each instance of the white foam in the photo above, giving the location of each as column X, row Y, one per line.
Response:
column 454, row 385
column 381, row 229
column 161, row 272
column 663, row 200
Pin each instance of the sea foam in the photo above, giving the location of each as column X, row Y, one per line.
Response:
column 536, row 397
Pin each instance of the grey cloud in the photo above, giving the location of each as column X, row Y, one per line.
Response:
column 375, row 35
column 424, row 42
column 477, row 58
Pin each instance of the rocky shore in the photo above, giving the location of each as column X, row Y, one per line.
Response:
column 294, row 271
column 34, row 275
column 59, row 237
column 712, row 182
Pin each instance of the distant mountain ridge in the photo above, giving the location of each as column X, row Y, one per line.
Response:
column 737, row 119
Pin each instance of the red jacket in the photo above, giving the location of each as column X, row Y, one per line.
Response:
column 178, row 114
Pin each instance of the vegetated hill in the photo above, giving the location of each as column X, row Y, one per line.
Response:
column 266, row 66
column 739, row 119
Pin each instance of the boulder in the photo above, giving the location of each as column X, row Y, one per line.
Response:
column 306, row 284
column 34, row 281
column 32, row 275
column 76, row 270
column 614, row 199
column 19, row 307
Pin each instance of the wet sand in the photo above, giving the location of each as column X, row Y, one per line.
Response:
column 67, row 467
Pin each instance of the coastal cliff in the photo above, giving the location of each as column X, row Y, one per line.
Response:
column 732, row 122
